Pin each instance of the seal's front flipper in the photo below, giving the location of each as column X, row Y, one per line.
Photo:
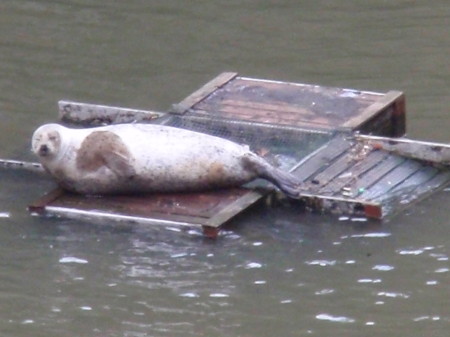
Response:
column 119, row 164
column 288, row 183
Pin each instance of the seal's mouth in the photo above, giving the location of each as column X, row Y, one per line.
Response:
column 43, row 150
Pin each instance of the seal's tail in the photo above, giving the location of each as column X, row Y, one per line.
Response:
column 285, row 181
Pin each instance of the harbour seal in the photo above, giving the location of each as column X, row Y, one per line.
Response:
column 147, row 158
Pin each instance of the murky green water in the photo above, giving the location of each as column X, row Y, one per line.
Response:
column 276, row 272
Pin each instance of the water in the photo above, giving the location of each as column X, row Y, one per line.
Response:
column 275, row 272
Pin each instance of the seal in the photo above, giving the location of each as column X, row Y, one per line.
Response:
column 148, row 158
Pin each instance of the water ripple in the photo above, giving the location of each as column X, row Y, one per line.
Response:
column 322, row 263
column 393, row 294
column 382, row 267
column 337, row 319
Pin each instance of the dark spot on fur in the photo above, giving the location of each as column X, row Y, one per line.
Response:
column 98, row 148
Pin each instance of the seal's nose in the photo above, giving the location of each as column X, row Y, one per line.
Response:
column 43, row 150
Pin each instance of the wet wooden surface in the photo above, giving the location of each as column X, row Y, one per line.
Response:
column 363, row 174
column 295, row 104
column 204, row 209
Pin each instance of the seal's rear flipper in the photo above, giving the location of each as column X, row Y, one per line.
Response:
column 288, row 183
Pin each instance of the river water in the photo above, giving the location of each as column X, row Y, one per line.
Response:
column 275, row 272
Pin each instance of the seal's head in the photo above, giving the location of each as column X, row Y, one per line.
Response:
column 46, row 141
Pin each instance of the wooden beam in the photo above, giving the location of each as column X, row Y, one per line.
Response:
column 435, row 153
column 21, row 165
column 94, row 114
column 371, row 111
column 203, row 92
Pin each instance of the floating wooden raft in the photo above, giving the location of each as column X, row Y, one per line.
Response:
column 364, row 175
column 307, row 129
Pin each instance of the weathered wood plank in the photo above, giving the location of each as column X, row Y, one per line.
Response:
column 358, row 186
column 425, row 151
column 353, row 173
column 94, row 114
column 321, row 158
column 282, row 109
column 226, row 213
column 338, row 205
column 390, row 180
column 329, row 174
column 203, row 92
column 21, row 165
column 99, row 216
column 407, row 187
column 273, row 120
column 438, row 182
column 382, row 103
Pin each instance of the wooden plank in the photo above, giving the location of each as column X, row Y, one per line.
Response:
column 369, row 178
column 408, row 186
column 21, row 165
column 339, row 205
column 426, row 151
column 404, row 198
column 321, row 158
column 100, row 216
column 438, row 182
column 283, row 110
column 353, row 173
column 272, row 120
column 228, row 212
column 305, row 103
column 390, row 180
column 94, row 114
column 210, row 208
column 364, row 98
column 389, row 98
column 330, row 173
column 203, row 92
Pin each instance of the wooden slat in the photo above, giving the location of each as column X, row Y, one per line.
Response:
column 21, row 165
column 426, row 151
column 319, row 159
column 408, row 186
column 94, row 114
column 338, row 205
column 375, row 174
column 439, row 181
column 210, row 208
column 203, row 92
column 228, row 212
column 271, row 117
column 365, row 98
column 390, row 180
column 329, row 173
column 389, row 98
column 353, row 173
column 273, row 120
column 267, row 109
